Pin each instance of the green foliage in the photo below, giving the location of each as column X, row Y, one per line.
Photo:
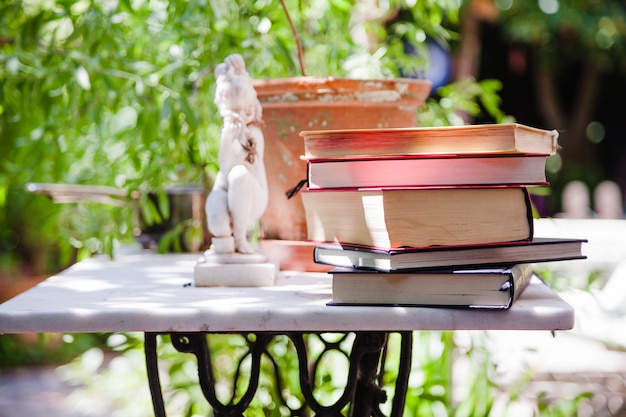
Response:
column 434, row 391
column 45, row 349
column 109, row 377
column 120, row 94
column 563, row 32
column 562, row 280
column 463, row 97
column 566, row 408
column 186, row 236
column 102, row 94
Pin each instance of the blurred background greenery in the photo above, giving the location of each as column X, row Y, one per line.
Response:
column 120, row 93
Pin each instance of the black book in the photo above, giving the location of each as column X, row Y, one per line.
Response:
column 493, row 288
column 362, row 257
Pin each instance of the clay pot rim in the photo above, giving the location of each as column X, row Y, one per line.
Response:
column 311, row 90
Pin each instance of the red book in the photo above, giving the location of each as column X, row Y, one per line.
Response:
column 405, row 171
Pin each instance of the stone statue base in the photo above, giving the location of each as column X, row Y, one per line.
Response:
column 234, row 269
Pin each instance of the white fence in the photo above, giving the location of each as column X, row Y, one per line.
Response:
column 607, row 199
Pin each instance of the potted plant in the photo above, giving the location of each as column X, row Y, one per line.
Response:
column 304, row 102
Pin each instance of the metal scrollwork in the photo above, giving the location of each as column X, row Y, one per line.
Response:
column 362, row 394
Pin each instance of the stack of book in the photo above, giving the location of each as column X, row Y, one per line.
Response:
column 429, row 216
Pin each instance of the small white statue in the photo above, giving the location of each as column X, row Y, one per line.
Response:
column 239, row 195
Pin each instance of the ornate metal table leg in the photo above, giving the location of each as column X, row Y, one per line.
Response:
column 404, row 370
column 363, row 391
column 307, row 378
column 152, row 366
column 196, row 343
column 368, row 395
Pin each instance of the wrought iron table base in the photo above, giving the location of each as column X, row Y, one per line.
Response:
column 363, row 392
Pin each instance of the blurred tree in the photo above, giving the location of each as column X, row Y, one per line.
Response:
column 569, row 46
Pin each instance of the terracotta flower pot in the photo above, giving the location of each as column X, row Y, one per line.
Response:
column 291, row 105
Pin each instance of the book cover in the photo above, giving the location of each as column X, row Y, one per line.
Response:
column 401, row 171
column 542, row 249
column 494, row 288
column 485, row 138
column 418, row 217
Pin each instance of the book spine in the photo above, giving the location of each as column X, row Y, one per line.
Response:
column 529, row 212
column 407, row 171
column 519, row 285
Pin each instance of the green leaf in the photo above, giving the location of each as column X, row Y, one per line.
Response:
column 82, row 78
column 163, row 204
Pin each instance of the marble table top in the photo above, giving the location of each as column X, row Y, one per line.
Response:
column 155, row 293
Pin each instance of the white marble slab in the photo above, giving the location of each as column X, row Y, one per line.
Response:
column 149, row 292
